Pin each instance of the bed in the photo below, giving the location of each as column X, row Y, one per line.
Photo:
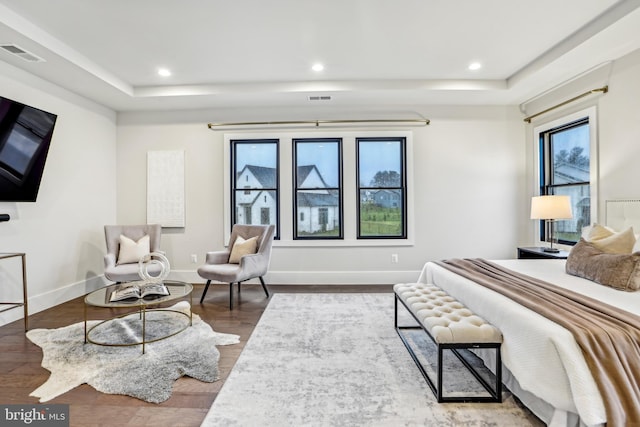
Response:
column 542, row 362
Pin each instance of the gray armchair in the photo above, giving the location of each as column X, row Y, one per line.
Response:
column 218, row 267
column 127, row 272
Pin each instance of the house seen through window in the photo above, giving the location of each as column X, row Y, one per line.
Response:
column 318, row 188
column 255, row 182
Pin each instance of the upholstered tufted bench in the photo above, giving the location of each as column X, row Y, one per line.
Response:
column 451, row 326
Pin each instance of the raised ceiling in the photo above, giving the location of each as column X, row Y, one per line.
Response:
column 259, row 54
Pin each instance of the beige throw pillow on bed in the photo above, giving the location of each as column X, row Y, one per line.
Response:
column 242, row 247
column 131, row 251
column 596, row 232
column 616, row 243
column 620, row 271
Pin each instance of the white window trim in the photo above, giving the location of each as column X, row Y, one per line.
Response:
column 591, row 113
column 348, row 181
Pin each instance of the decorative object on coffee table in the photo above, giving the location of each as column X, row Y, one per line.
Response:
column 150, row 262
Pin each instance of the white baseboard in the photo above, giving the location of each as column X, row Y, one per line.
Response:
column 38, row 303
column 57, row 296
column 318, row 277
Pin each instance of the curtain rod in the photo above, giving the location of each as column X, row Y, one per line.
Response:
column 318, row 123
column 603, row 89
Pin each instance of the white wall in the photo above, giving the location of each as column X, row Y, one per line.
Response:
column 619, row 112
column 618, row 125
column 468, row 185
column 62, row 233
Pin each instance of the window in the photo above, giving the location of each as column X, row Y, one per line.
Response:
column 317, row 188
column 565, row 169
column 322, row 188
column 381, row 178
column 254, row 182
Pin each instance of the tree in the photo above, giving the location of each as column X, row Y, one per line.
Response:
column 575, row 157
column 562, row 157
column 386, row 179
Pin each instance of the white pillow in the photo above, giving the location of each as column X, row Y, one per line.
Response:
column 596, row 231
column 616, row 243
column 131, row 251
column 242, row 247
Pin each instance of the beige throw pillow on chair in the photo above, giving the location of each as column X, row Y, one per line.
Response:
column 131, row 251
column 242, row 247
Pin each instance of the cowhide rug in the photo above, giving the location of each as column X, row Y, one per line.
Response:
column 125, row 370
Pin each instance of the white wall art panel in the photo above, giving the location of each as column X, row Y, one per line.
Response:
column 165, row 188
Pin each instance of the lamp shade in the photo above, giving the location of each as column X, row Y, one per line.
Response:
column 551, row 207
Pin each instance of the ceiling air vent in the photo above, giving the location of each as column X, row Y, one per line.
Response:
column 20, row 52
column 320, row 98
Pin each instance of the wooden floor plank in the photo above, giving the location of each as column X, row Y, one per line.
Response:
column 21, row 373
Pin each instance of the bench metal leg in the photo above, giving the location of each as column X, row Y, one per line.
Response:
column 437, row 388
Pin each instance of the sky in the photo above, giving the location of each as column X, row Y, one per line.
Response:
column 567, row 139
column 258, row 154
column 322, row 154
column 374, row 156
column 378, row 156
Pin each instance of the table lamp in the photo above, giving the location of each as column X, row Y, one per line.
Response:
column 549, row 209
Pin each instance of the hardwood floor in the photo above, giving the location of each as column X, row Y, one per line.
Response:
column 21, row 373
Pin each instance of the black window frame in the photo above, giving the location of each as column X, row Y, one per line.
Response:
column 296, row 189
column 237, row 187
column 546, row 186
column 402, row 188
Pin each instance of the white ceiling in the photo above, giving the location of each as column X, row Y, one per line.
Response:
column 258, row 54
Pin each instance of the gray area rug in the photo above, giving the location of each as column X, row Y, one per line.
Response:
column 125, row 370
column 336, row 360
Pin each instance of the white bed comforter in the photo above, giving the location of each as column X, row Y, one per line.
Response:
column 543, row 356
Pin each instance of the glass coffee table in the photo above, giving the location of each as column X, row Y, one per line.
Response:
column 141, row 309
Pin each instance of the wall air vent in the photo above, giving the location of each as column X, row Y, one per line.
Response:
column 20, row 52
column 320, row 98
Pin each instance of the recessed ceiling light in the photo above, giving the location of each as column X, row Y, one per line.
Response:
column 317, row 67
column 475, row 66
column 164, row 72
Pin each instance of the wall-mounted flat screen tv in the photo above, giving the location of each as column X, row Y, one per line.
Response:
column 25, row 136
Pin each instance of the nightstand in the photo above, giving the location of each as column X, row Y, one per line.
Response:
column 539, row 253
